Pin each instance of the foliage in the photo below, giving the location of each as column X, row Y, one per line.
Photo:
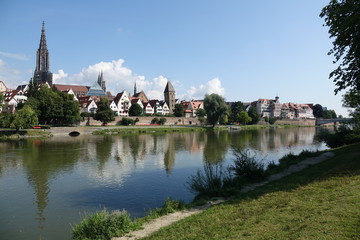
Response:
column 162, row 121
column 104, row 112
column 127, row 121
column 318, row 111
column 52, row 106
column 155, row 121
column 255, row 118
column 24, row 118
column 215, row 107
column 5, row 120
column 135, row 110
column 200, row 113
column 170, row 206
column 271, row 120
column 247, row 166
column 1, row 101
column 103, row 226
column 342, row 18
column 236, row 109
column 342, row 136
column 329, row 114
column 243, row 117
column 211, row 182
column 179, row 110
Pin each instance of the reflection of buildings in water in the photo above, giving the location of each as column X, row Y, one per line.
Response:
column 273, row 139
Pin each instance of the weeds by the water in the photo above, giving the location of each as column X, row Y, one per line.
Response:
column 103, row 225
column 247, row 166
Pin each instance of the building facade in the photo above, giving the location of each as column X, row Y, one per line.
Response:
column 169, row 95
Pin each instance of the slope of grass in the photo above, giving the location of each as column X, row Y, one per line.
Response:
column 321, row 202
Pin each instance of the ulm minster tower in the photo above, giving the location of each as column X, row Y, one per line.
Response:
column 42, row 72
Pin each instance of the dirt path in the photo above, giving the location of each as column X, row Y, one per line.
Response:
column 167, row 220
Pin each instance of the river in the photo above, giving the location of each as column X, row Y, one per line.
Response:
column 48, row 185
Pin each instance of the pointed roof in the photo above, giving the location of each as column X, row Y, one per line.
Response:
column 42, row 44
column 169, row 87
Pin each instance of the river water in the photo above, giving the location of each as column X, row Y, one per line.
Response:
column 47, row 185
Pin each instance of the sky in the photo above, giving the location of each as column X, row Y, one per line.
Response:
column 242, row 50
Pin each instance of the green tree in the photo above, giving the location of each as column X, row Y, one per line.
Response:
column 243, row 117
column 1, row 101
column 255, row 118
column 318, row 111
column 178, row 110
column 6, row 119
column 104, row 113
column 343, row 19
column 215, row 107
column 236, row 109
column 162, row 121
column 329, row 114
column 200, row 113
column 24, row 118
column 71, row 113
column 135, row 110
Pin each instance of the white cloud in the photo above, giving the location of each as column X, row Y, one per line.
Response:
column 119, row 78
column 212, row 86
column 16, row 56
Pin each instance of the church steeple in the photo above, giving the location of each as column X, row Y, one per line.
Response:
column 135, row 89
column 101, row 81
column 42, row 72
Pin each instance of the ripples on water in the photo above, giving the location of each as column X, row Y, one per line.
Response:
column 47, row 185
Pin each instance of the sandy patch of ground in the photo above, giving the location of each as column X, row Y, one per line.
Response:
column 167, row 220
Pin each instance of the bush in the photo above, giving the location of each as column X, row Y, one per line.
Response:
column 212, row 182
column 103, row 226
column 162, row 121
column 247, row 167
column 170, row 206
column 343, row 135
column 126, row 121
column 155, row 121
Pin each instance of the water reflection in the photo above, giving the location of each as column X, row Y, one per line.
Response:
column 117, row 170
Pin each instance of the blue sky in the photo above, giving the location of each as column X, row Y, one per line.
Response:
column 243, row 50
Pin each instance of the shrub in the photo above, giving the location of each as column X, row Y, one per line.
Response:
column 126, row 121
column 247, row 167
column 343, row 135
column 162, row 121
column 170, row 206
column 155, row 121
column 103, row 225
column 211, row 182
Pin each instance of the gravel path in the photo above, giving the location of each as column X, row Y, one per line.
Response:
column 167, row 220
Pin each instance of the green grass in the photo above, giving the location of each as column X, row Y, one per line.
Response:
column 140, row 130
column 320, row 202
column 13, row 134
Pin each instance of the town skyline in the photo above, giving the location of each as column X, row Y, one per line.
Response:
column 238, row 75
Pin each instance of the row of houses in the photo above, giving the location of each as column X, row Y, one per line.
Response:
column 122, row 102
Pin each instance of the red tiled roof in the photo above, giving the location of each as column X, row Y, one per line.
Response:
column 75, row 88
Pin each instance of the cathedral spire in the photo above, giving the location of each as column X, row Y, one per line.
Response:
column 135, row 89
column 42, row 72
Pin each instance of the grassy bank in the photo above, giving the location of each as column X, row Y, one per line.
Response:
column 26, row 133
column 141, row 129
column 320, row 202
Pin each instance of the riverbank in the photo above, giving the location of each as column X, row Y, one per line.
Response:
column 302, row 202
column 124, row 130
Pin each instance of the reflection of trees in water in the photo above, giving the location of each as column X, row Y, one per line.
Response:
column 216, row 146
column 103, row 151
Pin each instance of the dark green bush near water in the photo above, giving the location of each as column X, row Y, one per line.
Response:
column 213, row 181
column 103, row 226
column 342, row 136
column 247, row 166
